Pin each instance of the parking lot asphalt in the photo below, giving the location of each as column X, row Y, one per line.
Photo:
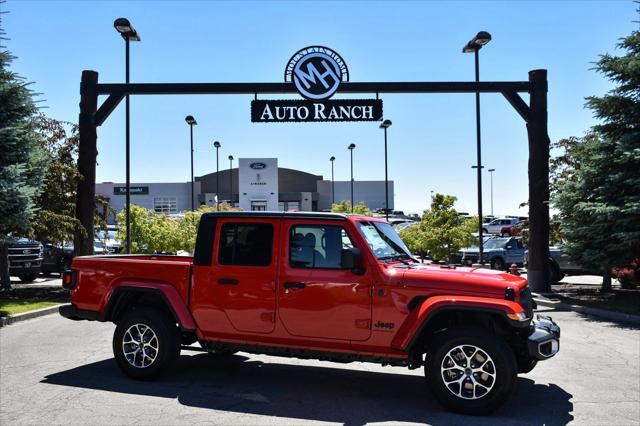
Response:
column 56, row 371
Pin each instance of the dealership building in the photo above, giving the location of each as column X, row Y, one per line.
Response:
column 257, row 184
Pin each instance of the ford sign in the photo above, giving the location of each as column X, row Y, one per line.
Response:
column 257, row 166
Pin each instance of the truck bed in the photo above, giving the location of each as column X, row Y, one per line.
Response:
column 99, row 276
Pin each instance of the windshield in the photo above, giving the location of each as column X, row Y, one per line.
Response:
column 496, row 243
column 384, row 241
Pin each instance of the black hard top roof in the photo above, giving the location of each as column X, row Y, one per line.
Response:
column 279, row 215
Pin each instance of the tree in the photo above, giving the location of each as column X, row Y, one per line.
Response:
column 56, row 220
column 22, row 160
column 597, row 183
column 158, row 233
column 344, row 206
column 442, row 231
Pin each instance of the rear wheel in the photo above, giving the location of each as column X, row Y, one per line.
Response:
column 470, row 370
column 146, row 343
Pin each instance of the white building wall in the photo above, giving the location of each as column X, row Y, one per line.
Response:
column 258, row 180
column 371, row 193
column 180, row 191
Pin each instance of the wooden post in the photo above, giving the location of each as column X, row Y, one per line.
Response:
column 87, row 153
column 538, row 262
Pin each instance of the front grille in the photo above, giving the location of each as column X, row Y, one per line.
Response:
column 526, row 301
column 24, row 251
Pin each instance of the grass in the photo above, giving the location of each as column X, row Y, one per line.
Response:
column 12, row 307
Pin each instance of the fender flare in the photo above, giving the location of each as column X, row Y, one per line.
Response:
column 429, row 308
column 164, row 290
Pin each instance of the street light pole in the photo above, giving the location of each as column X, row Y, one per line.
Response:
column 333, row 188
column 474, row 45
column 385, row 125
column 491, row 174
column 191, row 122
column 217, row 145
column 128, row 33
column 231, row 180
column 351, row 148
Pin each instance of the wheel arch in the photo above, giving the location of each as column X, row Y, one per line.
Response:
column 439, row 312
column 127, row 295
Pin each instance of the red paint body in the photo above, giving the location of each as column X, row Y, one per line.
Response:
column 377, row 313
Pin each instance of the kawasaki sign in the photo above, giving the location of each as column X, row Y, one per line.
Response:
column 317, row 72
column 133, row 190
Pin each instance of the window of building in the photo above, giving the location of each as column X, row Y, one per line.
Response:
column 281, row 207
column 245, row 244
column 258, row 205
column 165, row 204
column 317, row 246
column 293, row 205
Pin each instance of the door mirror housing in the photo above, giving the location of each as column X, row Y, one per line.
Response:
column 352, row 259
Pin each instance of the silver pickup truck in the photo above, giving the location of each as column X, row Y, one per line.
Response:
column 560, row 264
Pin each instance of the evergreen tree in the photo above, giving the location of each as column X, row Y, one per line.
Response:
column 22, row 160
column 597, row 179
column 56, row 203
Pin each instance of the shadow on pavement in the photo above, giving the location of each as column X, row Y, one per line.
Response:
column 353, row 397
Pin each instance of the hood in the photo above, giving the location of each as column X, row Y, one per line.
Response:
column 462, row 280
column 20, row 241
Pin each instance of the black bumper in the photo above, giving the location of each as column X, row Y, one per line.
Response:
column 71, row 312
column 544, row 340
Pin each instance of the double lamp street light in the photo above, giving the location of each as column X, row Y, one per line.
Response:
column 128, row 33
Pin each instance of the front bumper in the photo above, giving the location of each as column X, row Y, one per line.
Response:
column 544, row 340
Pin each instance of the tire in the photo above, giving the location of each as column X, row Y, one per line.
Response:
column 485, row 231
column 27, row 278
column 480, row 346
column 525, row 365
column 554, row 274
column 497, row 264
column 166, row 349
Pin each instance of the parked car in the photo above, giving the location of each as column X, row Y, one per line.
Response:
column 56, row 257
column 495, row 226
column 322, row 286
column 500, row 253
column 560, row 265
column 25, row 258
column 514, row 230
column 108, row 239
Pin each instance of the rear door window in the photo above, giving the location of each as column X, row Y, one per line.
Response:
column 246, row 244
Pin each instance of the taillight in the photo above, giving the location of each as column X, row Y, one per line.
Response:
column 69, row 279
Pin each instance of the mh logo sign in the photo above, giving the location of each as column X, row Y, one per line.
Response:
column 317, row 72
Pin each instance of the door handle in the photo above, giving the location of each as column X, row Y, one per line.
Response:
column 228, row 281
column 289, row 285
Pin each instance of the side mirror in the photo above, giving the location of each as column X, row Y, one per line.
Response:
column 352, row 259
column 509, row 246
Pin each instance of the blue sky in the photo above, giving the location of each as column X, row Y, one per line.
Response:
column 432, row 140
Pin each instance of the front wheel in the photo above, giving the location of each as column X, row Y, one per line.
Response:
column 146, row 343
column 470, row 370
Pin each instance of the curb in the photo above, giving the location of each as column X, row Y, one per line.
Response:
column 11, row 319
column 602, row 313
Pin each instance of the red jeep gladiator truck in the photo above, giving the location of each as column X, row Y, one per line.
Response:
column 317, row 285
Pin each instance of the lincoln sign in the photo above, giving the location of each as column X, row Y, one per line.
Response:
column 317, row 72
